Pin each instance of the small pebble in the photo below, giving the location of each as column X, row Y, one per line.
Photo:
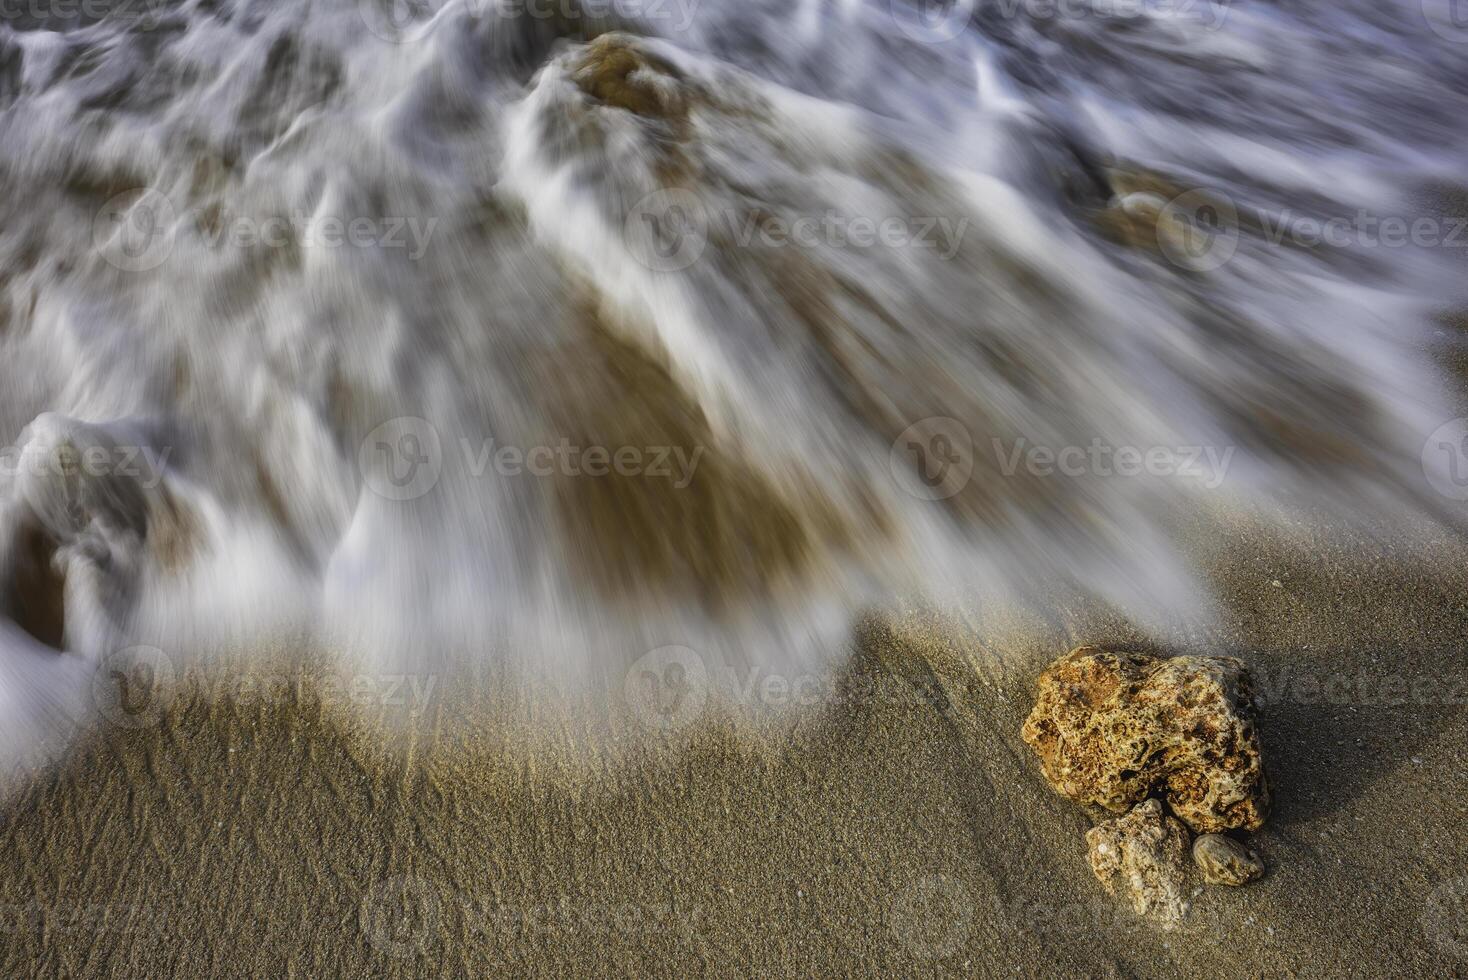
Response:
column 1224, row 861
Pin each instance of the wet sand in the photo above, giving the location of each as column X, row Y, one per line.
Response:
column 903, row 829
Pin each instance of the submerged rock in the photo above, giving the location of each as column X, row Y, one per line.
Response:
column 618, row 71
column 1143, row 857
column 1112, row 728
column 1225, row 861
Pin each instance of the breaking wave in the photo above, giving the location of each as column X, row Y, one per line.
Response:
column 549, row 333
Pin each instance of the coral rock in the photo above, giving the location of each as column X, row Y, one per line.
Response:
column 1224, row 861
column 1112, row 728
column 1144, row 855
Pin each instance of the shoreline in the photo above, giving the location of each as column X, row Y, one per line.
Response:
column 878, row 834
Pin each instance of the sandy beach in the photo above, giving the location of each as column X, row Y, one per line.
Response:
column 256, row 822
column 904, row 830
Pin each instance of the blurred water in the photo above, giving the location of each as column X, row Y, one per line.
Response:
column 474, row 331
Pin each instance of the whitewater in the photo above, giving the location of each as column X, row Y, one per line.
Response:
column 554, row 333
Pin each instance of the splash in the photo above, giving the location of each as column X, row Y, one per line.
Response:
column 546, row 335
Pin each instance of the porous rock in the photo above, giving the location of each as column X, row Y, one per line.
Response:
column 1143, row 857
column 1111, row 729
